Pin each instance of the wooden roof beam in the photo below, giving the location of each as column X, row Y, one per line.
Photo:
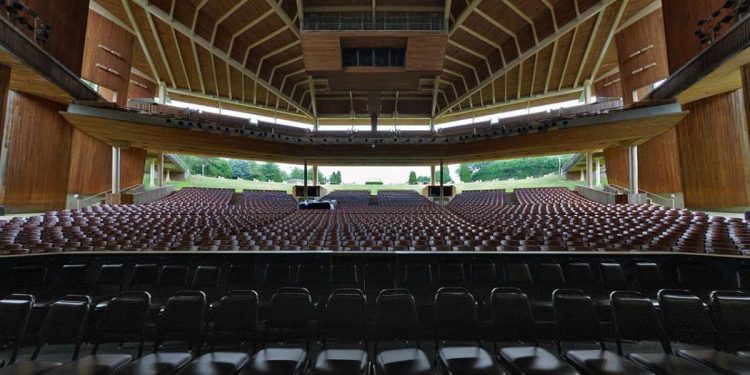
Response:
column 589, row 44
column 524, row 17
column 313, row 102
column 179, row 54
column 567, row 58
column 642, row 13
column 447, row 14
column 552, row 11
column 246, row 28
column 464, row 64
column 471, row 52
column 284, row 17
column 592, row 11
column 198, row 66
column 459, row 75
column 551, row 66
column 486, row 40
column 464, row 15
column 141, row 41
column 195, row 15
column 608, row 41
column 155, row 11
column 502, row 28
column 261, row 41
column 223, row 18
column 160, row 48
column 283, row 63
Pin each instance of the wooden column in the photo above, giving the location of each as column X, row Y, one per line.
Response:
column 4, row 83
column 715, row 153
column 589, row 170
column 315, row 175
column 37, row 154
column 642, row 58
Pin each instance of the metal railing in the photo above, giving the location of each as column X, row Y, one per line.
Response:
column 374, row 21
column 665, row 201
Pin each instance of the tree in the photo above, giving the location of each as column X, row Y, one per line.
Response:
column 243, row 169
column 322, row 179
column 336, row 178
column 464, row 173
column 446, row 180
column 271, row 172
column 423, row 179
column 412, row 178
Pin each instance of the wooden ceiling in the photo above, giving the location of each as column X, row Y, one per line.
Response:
column 499, row 51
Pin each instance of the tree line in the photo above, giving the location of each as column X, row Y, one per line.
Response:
column 251, row 170
column 514, row 168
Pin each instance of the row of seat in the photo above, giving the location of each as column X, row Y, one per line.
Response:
column 682, row 321
column 553, row 219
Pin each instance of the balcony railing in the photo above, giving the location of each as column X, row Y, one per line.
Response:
column 26, row 20
column 374, row 21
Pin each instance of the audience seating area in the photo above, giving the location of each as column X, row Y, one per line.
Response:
column 292, row 314
column 550, row 219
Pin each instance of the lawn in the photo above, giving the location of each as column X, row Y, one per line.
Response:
column 239, row 185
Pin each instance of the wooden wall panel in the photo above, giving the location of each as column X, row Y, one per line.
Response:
column 646, row 35
column 38, row 155
column 715, row 153
column 425, row 53
column 609, row 86
column 658, row 165
column 67, row 21
column 322, row 52
column 133, row 165
column 616, row 161
column 680, row 23
column 108, row 46
column 4, row 84
column 140, row 88
column 91, row 165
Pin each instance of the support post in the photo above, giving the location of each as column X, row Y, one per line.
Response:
column 589, row 170
column 168, row 179
column 583, row 175
column 152, row 174
column 598, row 172
column 432, row 175
column 633, row 169
column 116, row 170
column 315, row 175
column 162, row 93
column 442, row 178
column 160, row 172
column 587, row 93
column 304, row 177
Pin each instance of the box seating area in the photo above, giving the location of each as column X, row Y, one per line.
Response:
column 552, row 219
column 479, row 198
column 349, row 314
column 349, row 197
column 401, row 198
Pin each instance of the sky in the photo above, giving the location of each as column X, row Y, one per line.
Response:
column 387, row 175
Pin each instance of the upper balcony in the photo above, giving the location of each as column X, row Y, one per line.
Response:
column 384, row 20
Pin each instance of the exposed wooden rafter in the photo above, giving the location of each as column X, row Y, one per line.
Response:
column 160, row 48
column 165, row 17
column 571, row 25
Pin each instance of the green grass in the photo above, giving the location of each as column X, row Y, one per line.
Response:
column 213, row 182
column 239, row 185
